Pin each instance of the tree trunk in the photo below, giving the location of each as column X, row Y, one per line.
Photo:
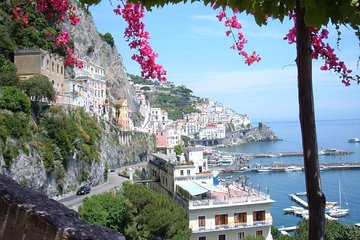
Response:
column 315, row 197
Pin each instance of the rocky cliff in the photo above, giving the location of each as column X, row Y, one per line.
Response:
column 88, row 44
column 117, row 148
column 256, row 134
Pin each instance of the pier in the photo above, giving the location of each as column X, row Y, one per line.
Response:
column 330, row 152
column 282, row 167
column 299, row 200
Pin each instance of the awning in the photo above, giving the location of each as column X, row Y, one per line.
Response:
column 195, row 188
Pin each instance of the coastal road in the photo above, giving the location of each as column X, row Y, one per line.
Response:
column 114, row 181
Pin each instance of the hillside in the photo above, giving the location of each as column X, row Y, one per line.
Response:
column 52, row 148
column 175, row 100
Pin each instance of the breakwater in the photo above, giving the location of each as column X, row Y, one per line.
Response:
column 329, row 152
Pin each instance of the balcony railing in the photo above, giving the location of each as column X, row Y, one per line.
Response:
column 227, row 201
column 221, row 227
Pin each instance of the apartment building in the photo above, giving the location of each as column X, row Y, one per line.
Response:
column 215, row 212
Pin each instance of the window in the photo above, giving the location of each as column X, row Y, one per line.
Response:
column 188, row 172
column 240, row 235
column 240, row 217
column 202, row 238
column 222, row 237
column 259, row 216
column 221, row 220
column 201, row 221
column 181, row 172
column 259, row 233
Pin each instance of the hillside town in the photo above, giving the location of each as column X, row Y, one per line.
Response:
column 214, row 210
column 87, row 88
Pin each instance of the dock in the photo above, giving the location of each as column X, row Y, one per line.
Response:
column 288, row 229
column 299, row 200
column 331, row 152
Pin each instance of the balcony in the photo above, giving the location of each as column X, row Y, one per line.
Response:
column 232, row 226
column 233, row 200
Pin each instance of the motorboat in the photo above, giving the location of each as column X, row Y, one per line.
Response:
column 354, row 140
column 264, row 169
column 293, row 169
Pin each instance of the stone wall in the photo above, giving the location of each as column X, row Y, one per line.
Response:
column 29, row 215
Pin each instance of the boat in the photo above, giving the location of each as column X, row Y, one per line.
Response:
column 264, row 169
column 293, row 169
column 354, row 140
column 301, row 194
column 337, row 211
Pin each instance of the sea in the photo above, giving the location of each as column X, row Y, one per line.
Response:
column 331, row 134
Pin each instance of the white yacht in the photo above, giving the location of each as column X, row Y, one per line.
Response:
column 354, row 140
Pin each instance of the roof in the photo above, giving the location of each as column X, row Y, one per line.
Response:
column 119, row 102
column 195, row 188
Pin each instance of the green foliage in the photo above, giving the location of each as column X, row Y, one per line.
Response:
column 10, row 153
column 8, row 75
column 13, row 99
column 139, row 80
column 186, row 140
column 138, row 213
column 107, row 37
column 176, row 104
column 333, row 231
column 107, row 209
column 70, row 132
column 38, row 87
column 154, row 214
column 15, row 125
column 178, row 150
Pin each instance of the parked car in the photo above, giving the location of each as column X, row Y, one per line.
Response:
column 83, row 190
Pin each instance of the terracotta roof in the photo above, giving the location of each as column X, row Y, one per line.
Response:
column 119, row 102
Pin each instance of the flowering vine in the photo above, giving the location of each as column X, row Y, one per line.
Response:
column 138, row 39
column 324, row 51
column 54, row 11
column 233, row 24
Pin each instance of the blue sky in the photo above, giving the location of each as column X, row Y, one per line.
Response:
column 193, row 48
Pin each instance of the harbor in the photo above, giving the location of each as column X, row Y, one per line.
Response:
column 343, row 167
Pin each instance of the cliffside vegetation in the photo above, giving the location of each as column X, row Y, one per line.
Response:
column 14, row 34
column 138, row 213
column 58, row 135
column 177, row 101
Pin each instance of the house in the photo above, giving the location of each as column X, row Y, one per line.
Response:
column 122, row 114
column 35, row 61
column 94, row 82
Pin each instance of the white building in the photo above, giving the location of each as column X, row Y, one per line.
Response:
column 94, row 80
column 192, row 127
column 212, row 131
column 158, row 119
column 214, row 212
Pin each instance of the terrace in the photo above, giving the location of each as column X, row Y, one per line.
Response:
column 199, row 195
